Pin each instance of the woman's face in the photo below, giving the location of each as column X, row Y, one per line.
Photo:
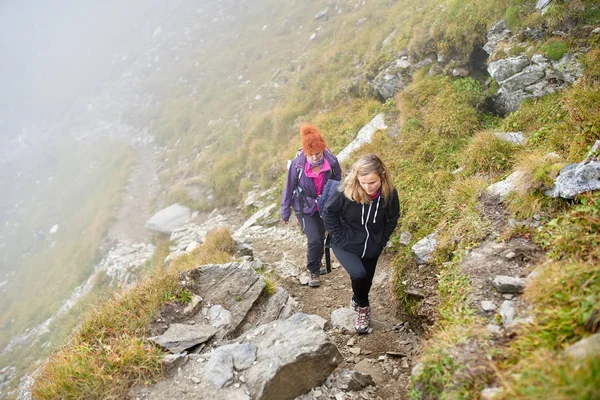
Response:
column 370, row 183
column 313, row 158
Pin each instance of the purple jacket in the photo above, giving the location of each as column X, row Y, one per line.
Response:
column 296, row 179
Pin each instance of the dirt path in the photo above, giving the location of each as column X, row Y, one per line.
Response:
column 387, row 353
column 143, row 185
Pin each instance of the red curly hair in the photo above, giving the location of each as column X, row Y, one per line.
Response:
column 312, row 140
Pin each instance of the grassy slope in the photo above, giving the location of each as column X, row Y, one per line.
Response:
column 442, row 127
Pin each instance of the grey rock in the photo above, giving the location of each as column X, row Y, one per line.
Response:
column 490, row 393
column 219, row 317
column 171, row 362
column 424, row 248
column 168, row 219
column 503, row 188
column 495, row 35
column 512, row 137
column 528, row 76
column 508, row 284
column 493, row 329
column 507, row 312
column 365, row 135
column 318, row 320
column 180, row 337
column 568, row 69
column 393, row 78
column 293, row 356
column 388, row 40
column 193, row 306
column 501, row 70
column 542, row 4
column 343, row 318
column 219, row 369
column 594, row 151
column 322, row 14
column 234, row 286
column 361, row 21
column 488, row 306
column 405, row 238
column 540, row 60
column 349, row 380
column 277, row 305
column 262, row 213
column 587, row 347
column 575, row 179
column 506, row 103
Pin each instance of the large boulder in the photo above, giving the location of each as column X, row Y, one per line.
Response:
column 575, row 179
column 365, row 135
column 395, row 77
column 168, row 219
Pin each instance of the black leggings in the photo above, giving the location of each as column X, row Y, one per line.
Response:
column 313, row 228
column 361, row 272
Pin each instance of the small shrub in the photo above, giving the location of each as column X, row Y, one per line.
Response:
column 511, row 16
column 554, row 50
column 576, row 233
column 220, row 239
column 486, row 153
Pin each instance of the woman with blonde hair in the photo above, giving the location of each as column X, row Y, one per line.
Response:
column 360, row 218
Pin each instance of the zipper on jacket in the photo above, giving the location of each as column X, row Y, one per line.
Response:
column 366, row 228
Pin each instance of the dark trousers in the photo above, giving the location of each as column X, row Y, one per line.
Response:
column 361, row 272
column 313, row 228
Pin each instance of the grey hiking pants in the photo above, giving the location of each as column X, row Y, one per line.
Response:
column 313, row 228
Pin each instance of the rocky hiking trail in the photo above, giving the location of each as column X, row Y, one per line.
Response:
column 235, row 342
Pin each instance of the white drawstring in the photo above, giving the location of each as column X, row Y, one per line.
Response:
column 376, row 209
column 362, row 215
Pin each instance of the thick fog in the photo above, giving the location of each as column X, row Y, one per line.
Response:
column 54, row 51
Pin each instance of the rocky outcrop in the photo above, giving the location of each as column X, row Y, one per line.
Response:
column 579, row 178
column 393, row 78
column 365, row 135
column 520, row 78
column 168, row 219
column 279, row 360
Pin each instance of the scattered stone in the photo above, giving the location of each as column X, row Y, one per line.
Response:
column 507, row 312
column 349, row 380
column 180, row 337
column 193, row 305
column 510, row 255
column 512, row 137
column 587, row 347
column 508, row 284
column 351, row 342
column 488, row 306
column 490, row 393
column 343, row 318
column 405, row 238
column 493, row 329
column 424, row 248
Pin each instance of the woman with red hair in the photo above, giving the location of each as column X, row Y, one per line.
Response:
column 313, row 166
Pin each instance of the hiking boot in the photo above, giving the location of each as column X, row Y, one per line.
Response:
column 353, row 305
column 363, row 320
column 323, row 271
column 315, row 280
